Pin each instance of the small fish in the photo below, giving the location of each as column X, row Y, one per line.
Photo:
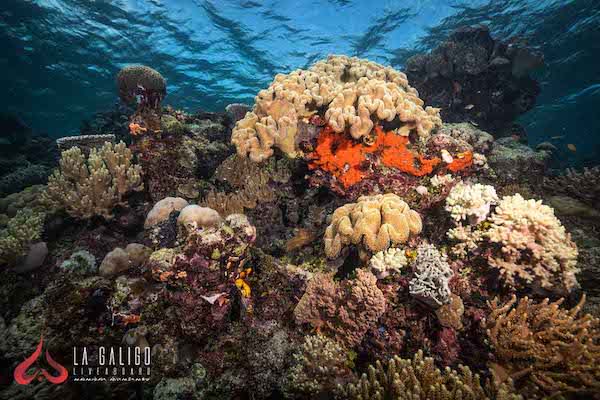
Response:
column 469, row 106
column 557, row 137
column 572, row 147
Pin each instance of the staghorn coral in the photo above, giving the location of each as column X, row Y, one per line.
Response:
column 388, row 261
column 21, row 230
column 354, row 92
column 470, row 202
column 341, row 310
column 95, row 186
column 549, row 350
column 416, row 379
column 373, row 223
column 320, row 367
column 536, row 249
column 432, row 275
column 584, row 184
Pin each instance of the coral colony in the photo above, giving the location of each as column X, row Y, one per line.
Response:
column 347, row 243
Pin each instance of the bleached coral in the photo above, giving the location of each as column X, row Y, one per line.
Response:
column 431, row 276
column 96, row 185
column 373, row 223
column 420, row 379
column 536, row 249
column 470, row 202
column 441, row 180
column 388, row 261
column 354, row 92
column 342, row 310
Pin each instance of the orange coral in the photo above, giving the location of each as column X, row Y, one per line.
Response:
column 344, row 158
column 461, row 161
column 136, row 129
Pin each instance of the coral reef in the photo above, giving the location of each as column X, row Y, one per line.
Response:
column 21, row 230
column 473, row 77
column 320, row 367
column 96, row 185
column 373, row 223
column 342, row 310
column 419, row 379
column 352, row 90
column 549, row 350
column 470, row 202
column 584, row 185
column 140, row 80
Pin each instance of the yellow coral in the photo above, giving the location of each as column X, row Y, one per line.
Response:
column 94, row 186
column 373, row 223
column 355, row 93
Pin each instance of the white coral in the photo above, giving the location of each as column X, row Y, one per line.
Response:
column 470, row 202
column 388, row 261
column 431, row 277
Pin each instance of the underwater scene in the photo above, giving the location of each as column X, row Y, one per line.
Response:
column 327, row 199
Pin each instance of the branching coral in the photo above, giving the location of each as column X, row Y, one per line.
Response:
column 552, row 349
column 354, row 92
column 416, row 379
column 373, row 223
column 388, row 261
column 21, row 230
column 470, row 202
column 536, row 249
column 432, row 274
column 341, row 310
column 95, row 186
column 320, row 367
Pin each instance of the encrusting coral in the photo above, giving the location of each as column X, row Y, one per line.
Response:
column 341, row 310
column 96, row 185
column 549, row 350
column 21, row 230
column 354, row 92
column 419, row 379
column 373, row 223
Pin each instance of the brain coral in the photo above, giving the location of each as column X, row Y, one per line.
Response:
column 135, row 77
column 373, row 223
column 353, row 92
column 536, row 249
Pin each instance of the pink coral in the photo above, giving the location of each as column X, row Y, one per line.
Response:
column 342, row 310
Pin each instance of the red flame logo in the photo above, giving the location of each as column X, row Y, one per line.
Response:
column 23, row 378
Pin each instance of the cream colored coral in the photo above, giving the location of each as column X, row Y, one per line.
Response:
column 470, row 202
column 355, row 92
column 388, row 261
column 535, row 246
column 94, row 186
column 373, row 223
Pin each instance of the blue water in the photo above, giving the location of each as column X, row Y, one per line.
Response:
column 60, row 57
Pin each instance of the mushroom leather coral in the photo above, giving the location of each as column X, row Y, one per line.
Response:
column 345, row 158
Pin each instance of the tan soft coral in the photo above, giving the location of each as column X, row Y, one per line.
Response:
column 373, row 223
column 353, row 91
column 343, row 310
column 546, row 349
column 96, row 185
column 536, row 249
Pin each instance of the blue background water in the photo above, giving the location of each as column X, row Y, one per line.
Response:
column 59, row 57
